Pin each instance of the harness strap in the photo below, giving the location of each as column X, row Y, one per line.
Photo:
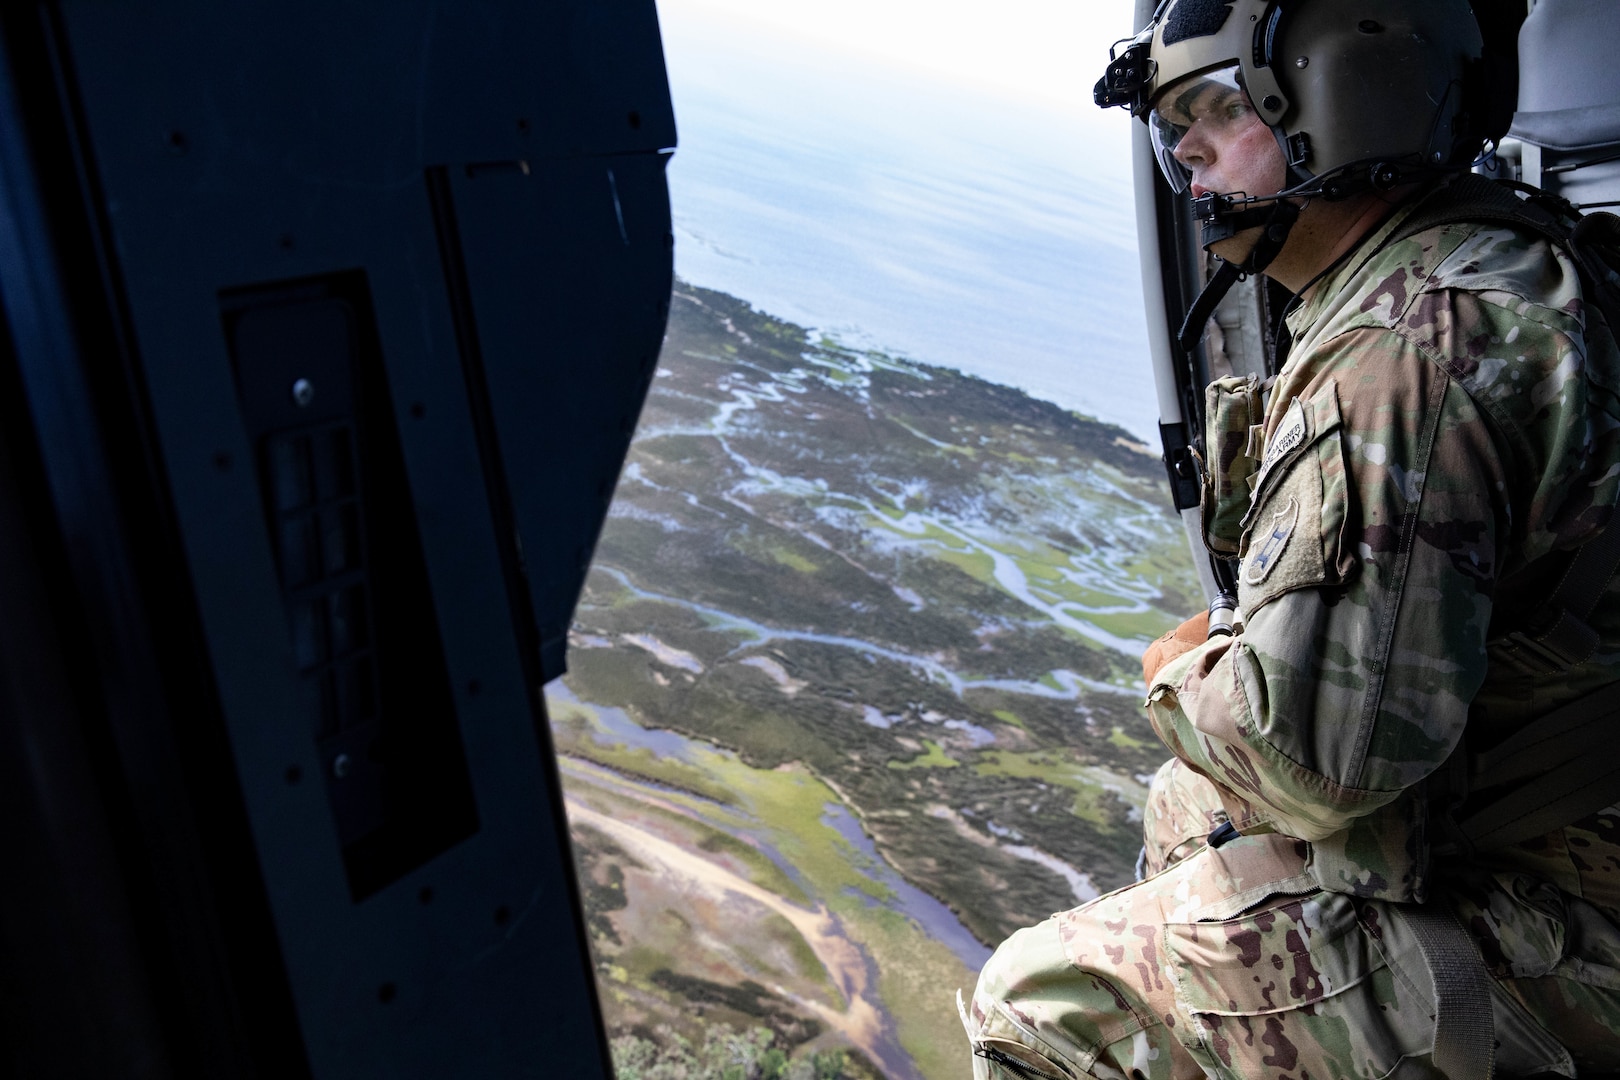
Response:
column 1559, row 636
column 1546, row 742
column 1562, row 774
column 1464, row 1041
column 1551, row 773
column 1226, row 275
column 1555, row 799
column 1470, row 198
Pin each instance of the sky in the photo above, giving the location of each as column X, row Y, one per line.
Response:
column 1041, row 51
column 932, row 180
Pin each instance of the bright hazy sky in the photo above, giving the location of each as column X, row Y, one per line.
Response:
column 1052, row 50
column 931, row 178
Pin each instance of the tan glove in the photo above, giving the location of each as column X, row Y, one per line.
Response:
column 1184, row 638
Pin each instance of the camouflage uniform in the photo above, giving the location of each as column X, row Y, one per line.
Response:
column 1182, row 810
column 1444, row 432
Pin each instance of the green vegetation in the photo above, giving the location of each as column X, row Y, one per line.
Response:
column 934, row 757
column 686, row 820
column 761, row 871
column 726, row 1054
column 1097, row 793
column 880, row 586
column 1118, row 738
column 575, row 733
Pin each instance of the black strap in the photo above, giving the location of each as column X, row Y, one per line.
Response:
column 1278, row 219
column 1553, row 800
column 1469, row 198
column 1559, row 636
column 1464, row 1042
column 1220, row 283
column 1546, row 742
column 1560, row 768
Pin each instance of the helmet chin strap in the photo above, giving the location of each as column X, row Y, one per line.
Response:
column 1220, row 222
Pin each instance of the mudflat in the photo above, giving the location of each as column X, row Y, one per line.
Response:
column 853, row 689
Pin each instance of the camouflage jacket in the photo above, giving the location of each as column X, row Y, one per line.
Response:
column 1445, row 431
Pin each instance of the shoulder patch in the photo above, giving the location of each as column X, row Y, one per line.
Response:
column 1267, row 548
column 1290, row 435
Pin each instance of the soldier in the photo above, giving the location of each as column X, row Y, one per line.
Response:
column 1439, row 453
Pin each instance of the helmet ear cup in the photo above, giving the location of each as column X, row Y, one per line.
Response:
column 1379, row 81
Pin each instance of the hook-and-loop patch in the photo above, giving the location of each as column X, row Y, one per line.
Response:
column 1266, row 550
column 1287, row 536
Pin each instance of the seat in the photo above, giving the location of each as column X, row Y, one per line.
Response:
column 1568, row 116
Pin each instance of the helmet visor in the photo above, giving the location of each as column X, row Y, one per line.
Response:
column 1210, row 105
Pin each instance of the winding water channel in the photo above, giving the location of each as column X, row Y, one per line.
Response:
column 1100, row 567
column 1072, row 686
column 1086, row 583
column 936, row 920
column 866, row 1021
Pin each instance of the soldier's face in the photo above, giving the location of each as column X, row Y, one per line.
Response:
column 1215, row 141
column 1227, row 147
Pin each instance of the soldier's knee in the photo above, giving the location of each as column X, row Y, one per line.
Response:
column 1041, row 1010
column 1016, row 993
column 1182, row 809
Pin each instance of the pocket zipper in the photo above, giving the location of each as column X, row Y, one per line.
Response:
column 1010, row 1063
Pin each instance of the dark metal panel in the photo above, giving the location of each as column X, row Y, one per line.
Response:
column 570, row 79
column 549, row 338
column 73, row 982
column 243, row 149
column 365, row 93
column 128, row 640
column 435, row 988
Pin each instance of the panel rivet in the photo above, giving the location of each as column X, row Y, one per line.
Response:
column 340, row 766
column 1302, row 62
column 303, row 392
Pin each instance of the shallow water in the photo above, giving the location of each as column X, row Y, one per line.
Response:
column 937, row 921
column 1072, row 687
column 1099, row 568
column 933, row 919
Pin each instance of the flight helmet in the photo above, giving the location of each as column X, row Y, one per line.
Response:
column 1359, row 93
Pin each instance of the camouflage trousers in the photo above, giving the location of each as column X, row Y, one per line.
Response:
column 1230, row 961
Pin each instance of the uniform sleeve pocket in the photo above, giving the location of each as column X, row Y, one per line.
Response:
column 1294, row 533
column 1232, row 411
column 1005, row 1048
column 1296, row 986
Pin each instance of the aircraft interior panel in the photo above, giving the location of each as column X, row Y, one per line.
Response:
column 380, row 288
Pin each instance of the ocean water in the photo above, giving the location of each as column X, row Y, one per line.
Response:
column 898, row 210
